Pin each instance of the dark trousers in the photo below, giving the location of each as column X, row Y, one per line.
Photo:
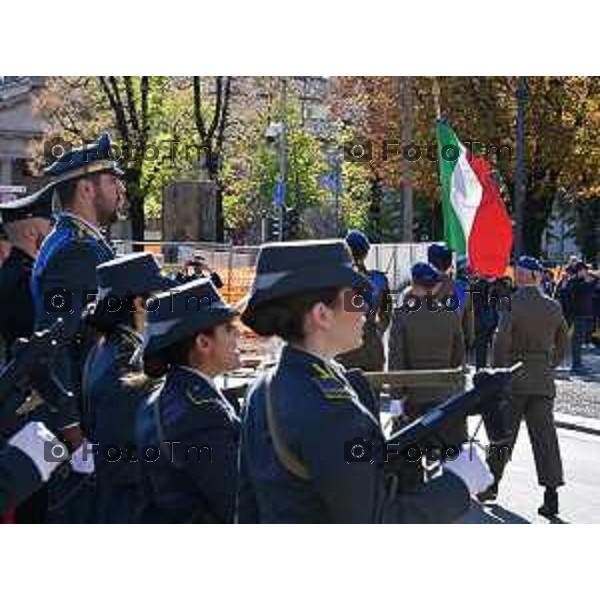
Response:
column 482, row 345
column 582, row 328
column 538, row 412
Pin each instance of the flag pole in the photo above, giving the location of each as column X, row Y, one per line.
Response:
column 438, row 115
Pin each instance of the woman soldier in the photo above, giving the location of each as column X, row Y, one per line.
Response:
column 311, row 449
column 119, row 319
column 187, row 431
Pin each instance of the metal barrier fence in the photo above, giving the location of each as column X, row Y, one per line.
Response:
column 235, row 264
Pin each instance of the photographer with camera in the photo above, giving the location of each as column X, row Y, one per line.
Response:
column 312, row 451
column 197, row 268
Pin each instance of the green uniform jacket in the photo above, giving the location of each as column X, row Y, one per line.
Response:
column 532, row 330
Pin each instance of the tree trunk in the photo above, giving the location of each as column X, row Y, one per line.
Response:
column 136, row 208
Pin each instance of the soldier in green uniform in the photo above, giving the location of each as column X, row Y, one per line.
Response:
column 371, row 355
column 533, row 331
column 426, row 335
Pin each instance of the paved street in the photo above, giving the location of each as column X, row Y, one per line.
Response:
column 520, row 495
column 580, row 395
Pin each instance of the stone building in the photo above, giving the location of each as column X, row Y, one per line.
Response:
column 19, row 127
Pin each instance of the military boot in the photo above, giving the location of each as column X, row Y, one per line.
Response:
column 550, row 507
column 489, row 494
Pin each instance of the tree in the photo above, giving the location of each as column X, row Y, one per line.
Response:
column 251, row 161
column 146, row 118
column 211, row 123
column 562, row 134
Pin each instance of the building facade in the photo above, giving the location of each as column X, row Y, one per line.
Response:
column 19, row 127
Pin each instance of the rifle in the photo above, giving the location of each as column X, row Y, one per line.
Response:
column 30, row 368
column 489, row 398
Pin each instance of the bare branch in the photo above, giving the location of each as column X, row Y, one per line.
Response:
column 117, row 110
column 133, row 118
column 224, row 116
column 217, row 111
column 197, row 110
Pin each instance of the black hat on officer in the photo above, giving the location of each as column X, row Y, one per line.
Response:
column 182, row 311
column 38, row 204
column 425, row 274
column 79, row 162
column 130, row 275
column 286, row 269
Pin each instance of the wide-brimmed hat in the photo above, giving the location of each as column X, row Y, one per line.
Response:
column 86, row 160
column 182, row 311
column 132, row 274
column 286, row 269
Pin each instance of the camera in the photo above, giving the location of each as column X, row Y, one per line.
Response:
column 358, row 450
column 58, row 300
column 55, row 149
column 358, row 151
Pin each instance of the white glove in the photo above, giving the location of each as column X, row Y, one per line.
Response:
column 41, row 446
column 82, row 460
column 471, row 468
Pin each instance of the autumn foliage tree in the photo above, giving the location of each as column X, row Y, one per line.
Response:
column 144, row 116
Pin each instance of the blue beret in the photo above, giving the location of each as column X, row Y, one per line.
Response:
column 78, row 162
column 358, row 242
column 425, row 273
column 530, row 263
column 439, row 253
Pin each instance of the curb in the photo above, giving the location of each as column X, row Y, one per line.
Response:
column 575, row 423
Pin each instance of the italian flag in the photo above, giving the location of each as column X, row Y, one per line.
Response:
column 476, row 223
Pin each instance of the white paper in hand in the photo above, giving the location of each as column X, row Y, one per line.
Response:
column 471, row 468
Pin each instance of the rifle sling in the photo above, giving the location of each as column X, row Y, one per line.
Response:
column 283, row 452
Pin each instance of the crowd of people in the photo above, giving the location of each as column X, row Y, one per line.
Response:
column 141, row 431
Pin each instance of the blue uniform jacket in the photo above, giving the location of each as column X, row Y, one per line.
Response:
column 197, row 430
column 114, row 405
column 318, row 413
column 67, row 260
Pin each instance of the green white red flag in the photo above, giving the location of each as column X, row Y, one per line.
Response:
column 476, row 223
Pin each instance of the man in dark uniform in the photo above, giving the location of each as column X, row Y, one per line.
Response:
column 27, row 221
column 91, row 194
column 371, row 355
column 533, row 331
